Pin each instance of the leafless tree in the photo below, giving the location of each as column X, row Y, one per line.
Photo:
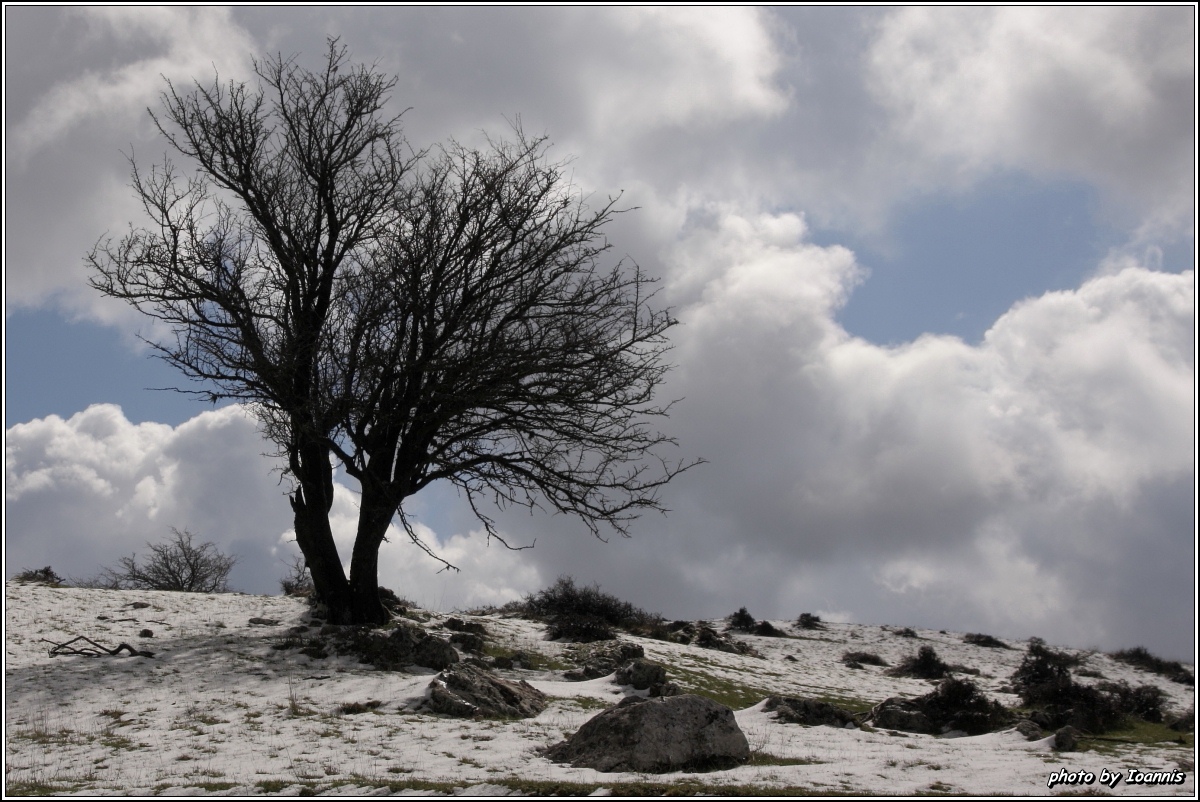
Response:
column 418, row 318
column 178, row 564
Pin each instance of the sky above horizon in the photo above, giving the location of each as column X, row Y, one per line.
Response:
column 934, row 270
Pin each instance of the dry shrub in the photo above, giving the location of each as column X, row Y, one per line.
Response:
column 925, row 664
column 1139, row 657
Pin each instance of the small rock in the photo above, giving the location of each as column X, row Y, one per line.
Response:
column 467, row 641
column 1066, row 739
column 264, row 622
column 901, row 714
column 458, row 625
column 601, row 659
column 809, row 712
column 641, row 673
column 1029, row 729
column 467, row 691
column 146, row 633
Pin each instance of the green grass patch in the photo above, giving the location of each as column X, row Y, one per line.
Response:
column 732, row 694
column 670, row 786
column 763, row 759
column 40, row 788
column 527, row 658
column 1138, row 732
column 272, row 786
column 585, row 702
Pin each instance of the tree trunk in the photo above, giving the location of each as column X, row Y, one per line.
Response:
column 311, row 504
column 375, row 514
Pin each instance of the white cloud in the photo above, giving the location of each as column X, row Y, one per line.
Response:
column 180, row 44
column 986, row 482
column 84, row 491
column 66, row 179
column 1001, row 476
column 1103, row 94
column 680, row 66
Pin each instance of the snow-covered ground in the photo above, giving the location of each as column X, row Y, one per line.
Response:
column 218, row 710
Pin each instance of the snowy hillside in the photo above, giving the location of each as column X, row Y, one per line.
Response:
column 230, row 707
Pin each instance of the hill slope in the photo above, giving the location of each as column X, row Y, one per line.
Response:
column 225, row 706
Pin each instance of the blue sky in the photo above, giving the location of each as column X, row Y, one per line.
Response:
column 934, row 270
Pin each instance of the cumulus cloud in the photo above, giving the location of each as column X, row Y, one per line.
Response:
column 1038, row 482
column 694, row 67
column 66, row 177
column 1013, row 469
column 84, row 491
column 180, row 44
column 1102, row 94
column 1011, row 485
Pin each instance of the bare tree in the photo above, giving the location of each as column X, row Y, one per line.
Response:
column 178, row 564
column 449, row 320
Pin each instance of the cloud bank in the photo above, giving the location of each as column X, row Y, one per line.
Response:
column 1010, row 485
column 1040, row 481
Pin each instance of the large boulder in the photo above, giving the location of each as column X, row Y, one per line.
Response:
column 667, row 733
column 808, row 712
column 468, row 691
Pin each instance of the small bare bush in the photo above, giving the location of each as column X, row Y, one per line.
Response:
column 178, row 564
column 297, row 581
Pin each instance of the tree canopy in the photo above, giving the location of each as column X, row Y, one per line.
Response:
column 448, row 315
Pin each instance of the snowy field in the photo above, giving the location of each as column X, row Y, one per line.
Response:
column 218, row 710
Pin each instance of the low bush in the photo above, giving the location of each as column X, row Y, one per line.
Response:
column 956, row 704
column 986, row 641
column 580, row 628
column 297, row 582
column 1144, row 702
column 960, row 705
column 586, row 613
column 1044, row 675
column 906, row 632
column 809, row 621
column 1044, row 682
column 1139, row 657
column 40, row 576
column 863, row 659
column 925, row 664
column 741, row 621
column 766, row 629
